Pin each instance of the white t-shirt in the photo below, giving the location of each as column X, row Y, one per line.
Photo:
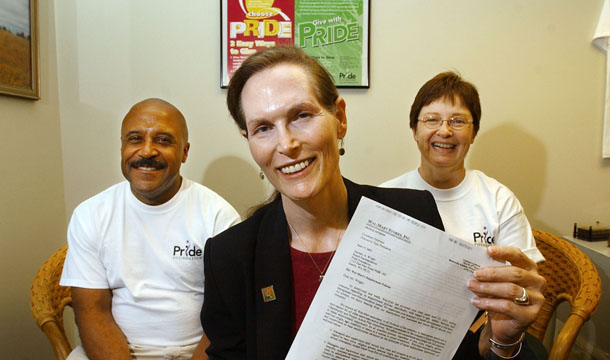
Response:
column 479, row 209
column 151, row 257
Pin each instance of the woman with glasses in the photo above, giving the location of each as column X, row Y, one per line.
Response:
column 261, row 275
column 445, row 118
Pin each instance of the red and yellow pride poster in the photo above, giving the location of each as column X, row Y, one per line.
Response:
column 252, row 25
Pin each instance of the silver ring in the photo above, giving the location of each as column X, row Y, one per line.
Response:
column 523, row 300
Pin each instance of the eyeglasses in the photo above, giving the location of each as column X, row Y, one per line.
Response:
column 435, row 122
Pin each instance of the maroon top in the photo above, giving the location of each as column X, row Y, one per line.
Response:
column 306, row 280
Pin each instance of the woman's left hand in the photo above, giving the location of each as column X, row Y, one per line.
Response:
column 497, row 290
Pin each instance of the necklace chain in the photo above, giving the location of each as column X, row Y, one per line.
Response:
column 323, row 271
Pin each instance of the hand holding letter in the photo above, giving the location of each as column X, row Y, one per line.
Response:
column 511, row 294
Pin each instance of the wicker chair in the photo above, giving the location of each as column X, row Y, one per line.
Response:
column 48, row 300
column 572, row 277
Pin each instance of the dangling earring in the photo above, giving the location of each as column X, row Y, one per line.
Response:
column 261, row 175
column 341, row 149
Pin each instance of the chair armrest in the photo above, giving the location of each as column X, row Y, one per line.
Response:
column 566, row 337
column 57, row 338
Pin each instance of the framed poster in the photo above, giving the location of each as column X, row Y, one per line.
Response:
column 19, row 48
column 336, row 33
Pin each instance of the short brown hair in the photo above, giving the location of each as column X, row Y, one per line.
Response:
column 449, row 86
column 323, row 85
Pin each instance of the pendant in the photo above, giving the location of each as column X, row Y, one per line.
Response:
column 321, row 278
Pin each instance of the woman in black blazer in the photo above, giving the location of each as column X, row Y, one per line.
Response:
column 261, row 275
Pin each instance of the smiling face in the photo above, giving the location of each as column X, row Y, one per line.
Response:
column 153, row 147
column 291, row 136
column 443, row 149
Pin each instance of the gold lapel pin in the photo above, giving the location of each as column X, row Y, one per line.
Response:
column 268, row 293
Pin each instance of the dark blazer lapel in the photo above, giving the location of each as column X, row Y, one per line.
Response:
column 273, row 267
column 354, row 194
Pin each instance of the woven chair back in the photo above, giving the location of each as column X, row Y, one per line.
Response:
column 571, row 277
column 48, row 300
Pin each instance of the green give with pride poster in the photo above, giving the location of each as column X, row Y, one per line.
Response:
column 336, row 34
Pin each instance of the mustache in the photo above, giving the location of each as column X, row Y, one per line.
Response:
column 148, row 162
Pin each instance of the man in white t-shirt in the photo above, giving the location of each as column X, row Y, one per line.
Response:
column 135, row 255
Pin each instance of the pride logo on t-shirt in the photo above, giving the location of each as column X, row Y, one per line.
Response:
column 483, row 238
column 187, row 252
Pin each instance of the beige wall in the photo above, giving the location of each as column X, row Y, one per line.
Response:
column 541, row 83
column 540, row 79
column 146, row 49
column 32, row 215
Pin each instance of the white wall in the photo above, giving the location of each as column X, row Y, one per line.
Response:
column 540, row 79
